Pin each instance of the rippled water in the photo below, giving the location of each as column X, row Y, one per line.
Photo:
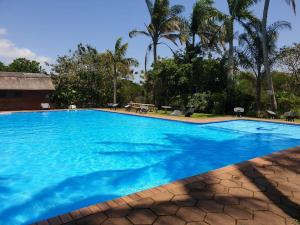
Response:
column 55, row 162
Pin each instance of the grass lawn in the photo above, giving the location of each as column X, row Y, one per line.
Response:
column 195, row 115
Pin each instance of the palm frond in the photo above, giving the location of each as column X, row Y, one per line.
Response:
column 149, row 4
column 134, row 33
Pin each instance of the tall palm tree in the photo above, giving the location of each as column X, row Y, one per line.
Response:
column 119, row 66
column 204, row 24
column 271, row 91
column 250, row 54
column 165, row 24
column 239, row 10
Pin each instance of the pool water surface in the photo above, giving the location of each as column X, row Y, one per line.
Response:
column 55, row 162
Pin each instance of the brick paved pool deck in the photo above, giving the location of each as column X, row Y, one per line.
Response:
column 261, row 191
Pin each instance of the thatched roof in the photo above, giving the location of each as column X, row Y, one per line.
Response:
column 25, row 81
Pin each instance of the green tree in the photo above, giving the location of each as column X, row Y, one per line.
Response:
column 204, row 24
column 25, row 65
column 289, row 60
column 165, row 24
column 271, row 91
column 3, row 67
column 120, row 65
column 250, row 53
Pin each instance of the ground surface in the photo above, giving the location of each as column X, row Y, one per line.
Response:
column 262, row 191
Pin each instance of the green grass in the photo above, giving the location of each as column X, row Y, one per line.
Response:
column 195, row 115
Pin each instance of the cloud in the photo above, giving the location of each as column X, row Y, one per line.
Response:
column 9, row 51
column 2, row 31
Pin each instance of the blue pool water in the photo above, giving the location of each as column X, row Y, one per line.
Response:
column 55, row 162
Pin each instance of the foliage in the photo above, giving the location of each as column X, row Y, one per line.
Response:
column 199, row 101
column 3, row 67
column 117, row 65
column 165, row 24
column 84, row 78
column 289, row 60
column 24, row 65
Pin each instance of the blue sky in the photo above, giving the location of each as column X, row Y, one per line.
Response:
column 44, row 29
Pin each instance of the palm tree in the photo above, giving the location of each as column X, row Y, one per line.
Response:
column 250, row 54
column 165, row 24
column 118, row 65
column 238, row 11
column 271, row 91
column 204, row 24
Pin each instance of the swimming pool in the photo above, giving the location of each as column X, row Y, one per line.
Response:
column 56, row 162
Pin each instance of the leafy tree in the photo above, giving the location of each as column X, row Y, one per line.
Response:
column 271, row 91
column 165, row 24
column 251, row 52
column 120, row 65
column 81, row 78
column 3, row 67
column 25, row 65
column 289, row 60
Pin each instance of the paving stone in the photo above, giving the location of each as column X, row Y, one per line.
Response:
column 238, row 212
column 184, row 200
column 169, row 220
column 226, row 199
column 191, row 214
column 240, row 192
column 165, row 209
column 254, row 204
column 219, row 219
column 196, row 186
column 210, row 206
column 179, row 191
column 162, row 197
column 268, row 218
column 197, row 223
column 95, row 219
column 217, row 188
column 143, row 203
column 142, row 216
column 231, row 183
column 116, row 221
column 201, row 195
column 119, row 211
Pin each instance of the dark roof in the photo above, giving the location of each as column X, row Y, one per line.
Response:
column 25, row 81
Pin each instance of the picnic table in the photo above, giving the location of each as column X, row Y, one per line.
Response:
column 166, row 107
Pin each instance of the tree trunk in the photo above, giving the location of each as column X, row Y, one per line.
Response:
column 258, row 92
column 154, row 52
column 194, row 40
column 115, row 90
column 230, row 55
column 271, row 92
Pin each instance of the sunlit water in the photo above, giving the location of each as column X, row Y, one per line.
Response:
column 56, row 162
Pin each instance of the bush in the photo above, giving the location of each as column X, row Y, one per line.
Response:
column 199, row 101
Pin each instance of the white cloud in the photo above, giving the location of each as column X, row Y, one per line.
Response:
column 9, row 51
column 2, row 31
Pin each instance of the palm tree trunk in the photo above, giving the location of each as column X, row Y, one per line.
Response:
column 258, row 92
column 193, row 40
column 271, row 92
column 154, row 52
column 115, row 90
column 230, row 55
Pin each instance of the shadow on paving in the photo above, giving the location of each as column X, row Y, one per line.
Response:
column 265, row 192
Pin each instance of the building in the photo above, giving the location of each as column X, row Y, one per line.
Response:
column 24, row 91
